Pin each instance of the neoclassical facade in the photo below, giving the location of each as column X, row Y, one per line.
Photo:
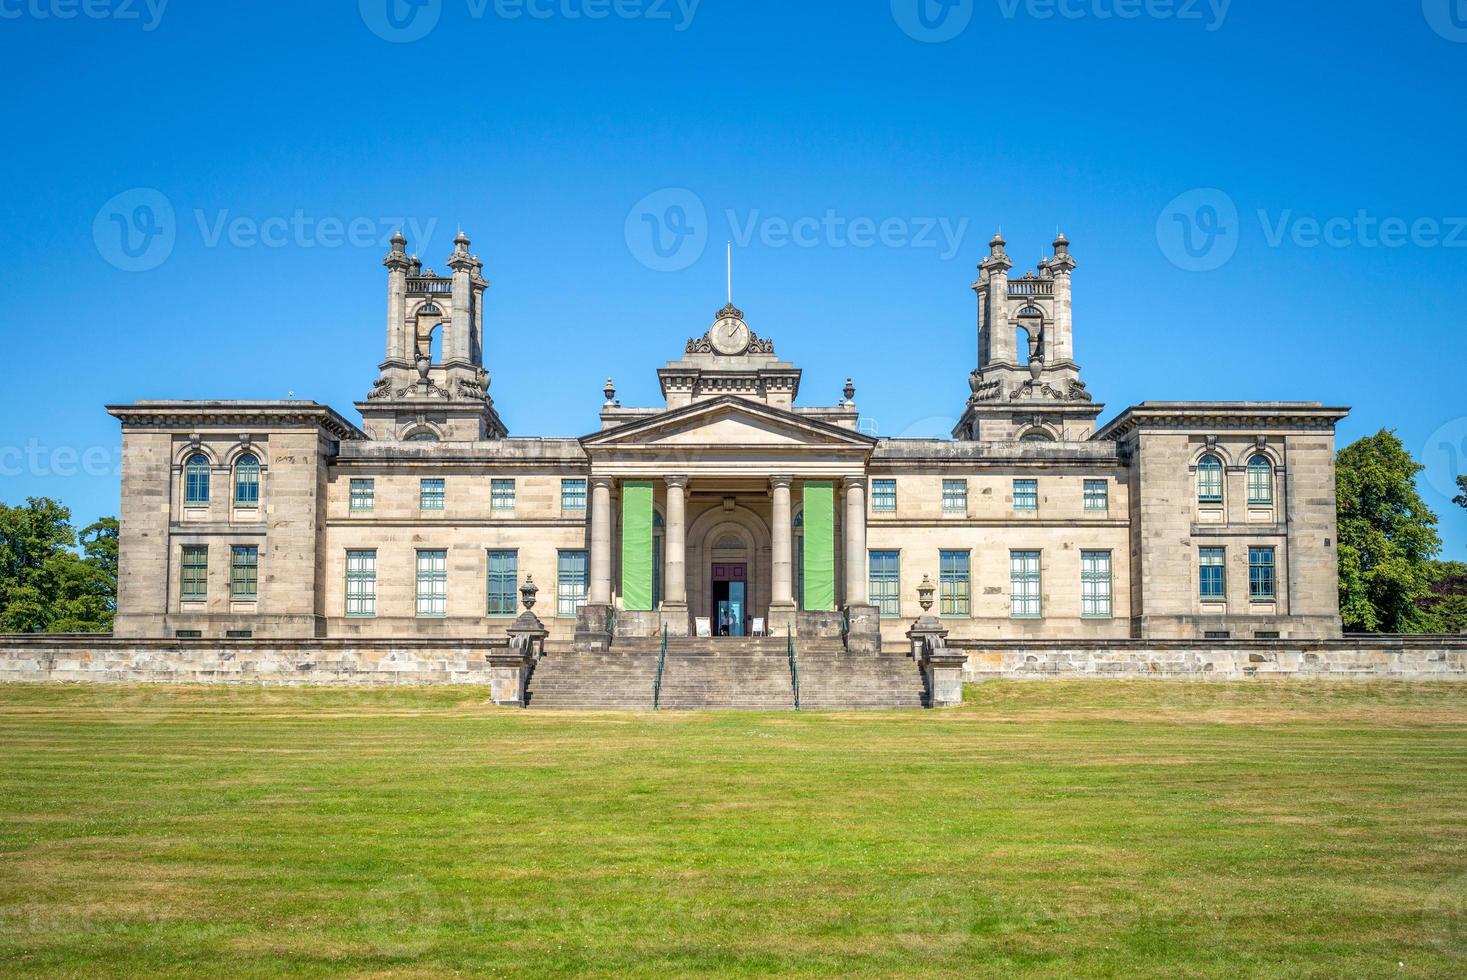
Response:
column 730, row 508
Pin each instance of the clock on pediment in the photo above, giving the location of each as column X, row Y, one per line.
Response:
column 730, row 336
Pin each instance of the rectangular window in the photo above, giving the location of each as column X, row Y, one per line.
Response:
column 886, row 582
column 432, row 495
column 883, row 496
column 1026, row 495
column 361, row 583
column 1097, row 496
column 1095, row 584
column 1266, row 635
column 573, row 496
column 1212, row 574
column 955, row 496
column 363, row 494
column 504, row 580
column 195, row 578
column 247, row 483
column 1217, row 635
column 1024, row 585
column 574, row 583
column 244, row 571
column 1262, row 585
column 432, row 583
column 501, row 496
column 956, row 583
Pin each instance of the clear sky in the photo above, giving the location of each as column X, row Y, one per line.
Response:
column 1265, row 200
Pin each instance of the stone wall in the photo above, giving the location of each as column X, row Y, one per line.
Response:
column 490, row 661
column 253, row 661
column 1353, row 658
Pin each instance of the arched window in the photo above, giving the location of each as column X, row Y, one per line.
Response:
column 1209, row 480
column 422, row 435
column 247, row 481
column 1260, row 481
column 1036, row 435
column 196, row 480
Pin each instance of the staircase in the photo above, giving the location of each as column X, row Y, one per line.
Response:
column 622, row 680
column 751, row 673
column 725, row 673
column 833, row 680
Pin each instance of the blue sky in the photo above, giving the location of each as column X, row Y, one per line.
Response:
column 1265, row 201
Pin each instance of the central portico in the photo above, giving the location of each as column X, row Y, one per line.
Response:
column 728, row 504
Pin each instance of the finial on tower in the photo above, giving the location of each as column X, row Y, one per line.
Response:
column 397, row 258
column 461, row 260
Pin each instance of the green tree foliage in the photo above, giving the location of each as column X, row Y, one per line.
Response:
column 46, row 585
column 1387, row 538
column 1461, row 499
column 1445, row 606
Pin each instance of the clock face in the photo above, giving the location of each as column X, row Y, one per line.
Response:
column 730, row 335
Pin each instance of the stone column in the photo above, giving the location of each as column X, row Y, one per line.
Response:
column 782, row 604
column 857, row 583
column 675, row 559
column 600, row 592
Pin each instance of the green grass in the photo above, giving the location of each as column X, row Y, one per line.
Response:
column 1097, row 829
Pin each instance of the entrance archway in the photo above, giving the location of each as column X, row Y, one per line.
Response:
column 729, row 561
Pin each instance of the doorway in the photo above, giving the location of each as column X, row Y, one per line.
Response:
column 730, row 599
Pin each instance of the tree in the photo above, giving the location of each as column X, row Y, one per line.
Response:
column 1445, row 607
column 1387, row 537
column 1461, row 499
column 45, row 585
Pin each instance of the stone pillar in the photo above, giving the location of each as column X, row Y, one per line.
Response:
column 782, row 604
column 675, row 559
column 397, row 264
column 857, row 583
column 600, row 592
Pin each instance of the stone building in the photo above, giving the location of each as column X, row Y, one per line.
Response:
column 730, row 508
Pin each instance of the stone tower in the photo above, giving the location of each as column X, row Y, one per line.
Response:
column 417, row 396
column 1027, row 385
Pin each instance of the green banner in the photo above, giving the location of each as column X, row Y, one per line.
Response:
column 636, row 545
column 819, row 546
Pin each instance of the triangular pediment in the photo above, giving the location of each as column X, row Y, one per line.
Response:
column 728, row 422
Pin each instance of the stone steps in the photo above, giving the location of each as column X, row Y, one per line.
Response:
column 750, row 673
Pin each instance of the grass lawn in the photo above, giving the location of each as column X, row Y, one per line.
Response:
column 1055, row 830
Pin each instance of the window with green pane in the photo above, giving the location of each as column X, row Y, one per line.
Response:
column 1095, row 585
column 574, row 583
column 956, row 583
column 363, row 494
column 1026, row 495
column 194, row 582
column 432, row 594
column 361, row 583
column 501, row 496
column 886, row 582
column 954, row 496
column 504, row 571
column 573, row 496
column 244, row 571
column 883, row 496
column 432, row 494
column 1025, row 595
column 1262, row 583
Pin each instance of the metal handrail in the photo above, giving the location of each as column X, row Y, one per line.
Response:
column 794, row 665
column 661, row 665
